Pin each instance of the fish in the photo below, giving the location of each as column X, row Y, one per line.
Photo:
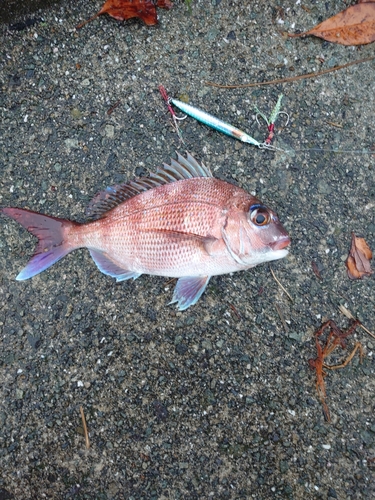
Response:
column 179, row 222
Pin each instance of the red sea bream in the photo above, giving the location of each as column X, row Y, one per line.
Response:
column 180, row 222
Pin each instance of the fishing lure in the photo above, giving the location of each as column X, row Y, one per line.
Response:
column 213, row 122
column 232, row 131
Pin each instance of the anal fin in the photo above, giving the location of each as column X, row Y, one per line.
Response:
column 107, row 266
column 188, row 290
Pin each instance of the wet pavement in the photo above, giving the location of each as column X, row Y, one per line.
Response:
column 217, row 401
column 14, row 11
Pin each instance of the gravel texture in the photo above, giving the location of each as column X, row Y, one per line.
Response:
column 218, row 401
column 16, row 11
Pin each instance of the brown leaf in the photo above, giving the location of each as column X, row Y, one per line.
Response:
column 126, row 9
column 353, row 26
column 358, row 261
column 315, row 268
column 167, row 4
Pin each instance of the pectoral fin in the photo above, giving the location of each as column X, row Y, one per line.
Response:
column 188, row 290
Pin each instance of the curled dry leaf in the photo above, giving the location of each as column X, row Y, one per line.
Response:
column 358, row 261
column 353, row 26
column 334, row 338
column 126, row 9
column 315, row 268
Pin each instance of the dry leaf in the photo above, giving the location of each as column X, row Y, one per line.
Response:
column 358, row 261
column 353, row 26
column 126, row 9
column 315, row 268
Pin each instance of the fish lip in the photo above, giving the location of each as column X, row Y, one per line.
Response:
column 281, row 243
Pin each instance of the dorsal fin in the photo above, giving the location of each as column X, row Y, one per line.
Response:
column 183, row 168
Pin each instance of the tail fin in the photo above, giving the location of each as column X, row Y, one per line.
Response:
column 51, row 233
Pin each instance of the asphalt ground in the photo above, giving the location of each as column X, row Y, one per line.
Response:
column 218, row 401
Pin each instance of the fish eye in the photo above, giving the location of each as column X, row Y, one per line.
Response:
column 259, row 215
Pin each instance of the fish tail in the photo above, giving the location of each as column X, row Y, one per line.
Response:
column 51, row 232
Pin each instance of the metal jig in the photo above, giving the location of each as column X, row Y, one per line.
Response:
column 215, row 123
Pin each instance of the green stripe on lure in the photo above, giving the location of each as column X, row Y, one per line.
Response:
column 217, row 124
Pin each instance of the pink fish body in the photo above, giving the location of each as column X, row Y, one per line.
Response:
column 180, row 222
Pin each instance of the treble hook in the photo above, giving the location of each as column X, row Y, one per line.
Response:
column 272, row 119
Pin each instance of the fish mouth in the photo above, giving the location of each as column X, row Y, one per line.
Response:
column 280, row 243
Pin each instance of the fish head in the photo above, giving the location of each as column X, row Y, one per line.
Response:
column 257, row 236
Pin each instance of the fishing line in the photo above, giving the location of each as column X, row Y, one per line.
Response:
column 228, row 129
column 325, row 150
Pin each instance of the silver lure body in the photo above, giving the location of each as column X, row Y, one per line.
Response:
column 213, row 122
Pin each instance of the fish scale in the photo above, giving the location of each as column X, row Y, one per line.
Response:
column 154, row 214
column 179, row 222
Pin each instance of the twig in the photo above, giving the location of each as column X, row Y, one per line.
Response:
column 84, row 428
column 338, row 125
column 280, row 285
column 291, row 78
column 282, row 318
column 80, row 25
column 112, row 108
column 349, row 315
column 237, row 314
